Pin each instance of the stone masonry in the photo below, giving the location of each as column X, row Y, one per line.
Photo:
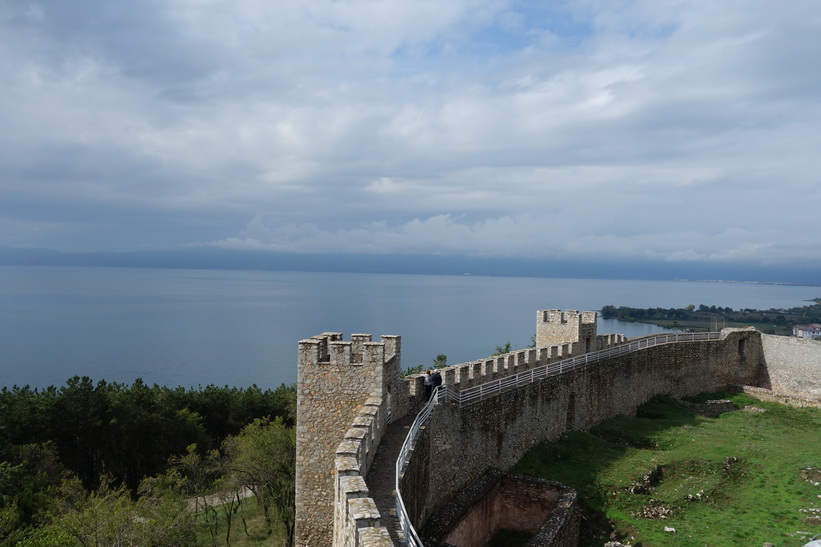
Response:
column 458, row 443
column 557, row 327
column 792, row 366
column 349, row 391
column 346, row 394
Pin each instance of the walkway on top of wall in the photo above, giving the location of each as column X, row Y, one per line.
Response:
column 381, row 478
column 494, row 387
column 411, row 424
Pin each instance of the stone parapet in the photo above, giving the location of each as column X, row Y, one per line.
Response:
column 347, row 392
column 495, row 367
column 458, row 443
column 357, row 521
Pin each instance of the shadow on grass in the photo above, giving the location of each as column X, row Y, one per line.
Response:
column 739, row 475
column 578, row 458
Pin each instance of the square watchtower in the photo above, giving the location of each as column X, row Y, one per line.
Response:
column 557, row 327
column 335, row 378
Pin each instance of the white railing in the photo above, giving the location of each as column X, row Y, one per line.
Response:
column 408, row 531
column 494, row 387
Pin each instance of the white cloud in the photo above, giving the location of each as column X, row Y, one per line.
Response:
column 678, row 131
column 524, row 235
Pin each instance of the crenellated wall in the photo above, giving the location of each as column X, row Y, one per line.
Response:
column 346, row 394
column 459, row 443
column 555, row 327
column 349, row 391
column 473, row 373
column 356, row 519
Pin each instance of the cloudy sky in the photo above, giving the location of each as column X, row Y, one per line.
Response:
column 681, row 130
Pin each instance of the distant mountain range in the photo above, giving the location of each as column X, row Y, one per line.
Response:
column 222, row 259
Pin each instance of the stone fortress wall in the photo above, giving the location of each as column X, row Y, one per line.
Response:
column 346, row 393
column 349, row 391
column 459, row 443
column 792, row 367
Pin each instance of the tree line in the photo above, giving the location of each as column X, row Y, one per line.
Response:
column 705, row 317
column 143, row 452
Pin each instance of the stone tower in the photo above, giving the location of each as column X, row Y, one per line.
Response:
column 557, row 327
column 334, row 380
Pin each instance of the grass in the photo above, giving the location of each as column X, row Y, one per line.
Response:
column 744, row 478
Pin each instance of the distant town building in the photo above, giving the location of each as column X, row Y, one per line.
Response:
column 812, row 331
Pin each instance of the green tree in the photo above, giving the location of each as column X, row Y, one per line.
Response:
column 109, row 516
column 440, row 361
column 503, row 349
column 198, row 472
column 412, row 370
column 82, row 414
column 26, row 478
column 263, row 457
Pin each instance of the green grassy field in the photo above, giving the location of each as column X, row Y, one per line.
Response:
column 745, row 478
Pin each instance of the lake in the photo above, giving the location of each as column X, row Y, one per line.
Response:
column 199, row 327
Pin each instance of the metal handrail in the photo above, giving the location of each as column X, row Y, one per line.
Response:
column 409, row 532
column 493, row 387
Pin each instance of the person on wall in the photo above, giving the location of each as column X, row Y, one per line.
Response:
column 435, row 380
column 428, row 385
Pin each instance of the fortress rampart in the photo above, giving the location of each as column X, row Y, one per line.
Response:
column 459, row 443
column 349, row 391
column 346, row 393
column 792, row 367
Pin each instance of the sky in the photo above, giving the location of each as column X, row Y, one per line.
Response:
column 681, row 131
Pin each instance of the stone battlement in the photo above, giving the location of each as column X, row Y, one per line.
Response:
column 330, row 349
column 555, row 327
column 473, row 373
column 567, row 316
column 355, row 514
column 347, row 392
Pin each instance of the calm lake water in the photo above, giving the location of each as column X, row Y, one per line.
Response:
column 199, row 327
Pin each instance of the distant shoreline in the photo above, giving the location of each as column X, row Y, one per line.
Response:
column 704, row 318
column 409, row 264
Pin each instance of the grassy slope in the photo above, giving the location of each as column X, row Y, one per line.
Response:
column 742, row 473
